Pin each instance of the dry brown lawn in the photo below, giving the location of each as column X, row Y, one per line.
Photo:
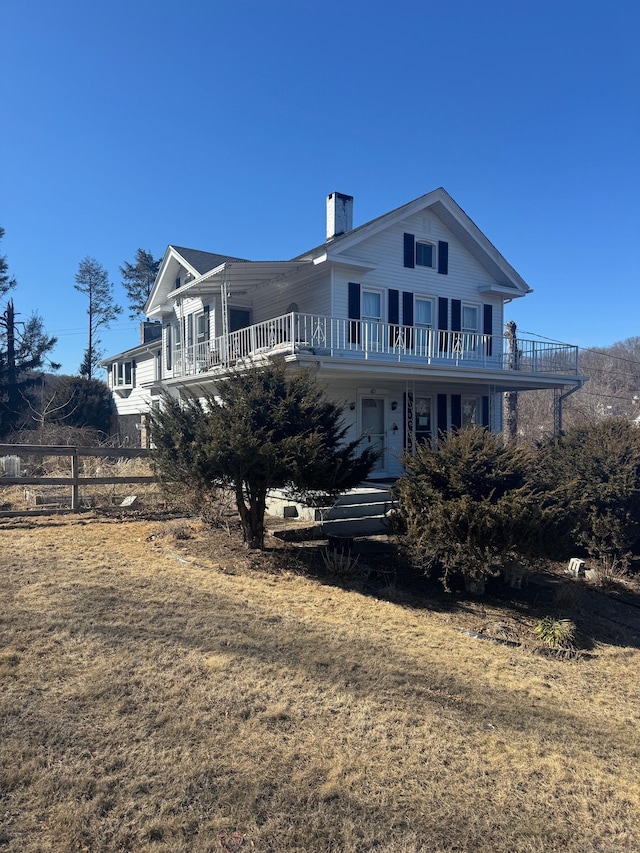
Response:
column 166, row 694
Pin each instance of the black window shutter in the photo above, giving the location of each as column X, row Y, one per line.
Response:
column 393, row 315
column 409, row 250
column 394, row 307
column 443, row 257
column 407, row 317
column 407, row 308
column 354, row 301
column 443, row 323
column 442, row 413
column 443, row 313
column 487, row 327
column 354, row 312
column 207, row 322
column 485, row 412
column 456, row 315
column 456, row 411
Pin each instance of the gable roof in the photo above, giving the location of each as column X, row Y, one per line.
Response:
column 202, row 262
column 196, row 262
column 454, row 218
column 209, row 266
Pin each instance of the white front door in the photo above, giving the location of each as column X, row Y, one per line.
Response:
column 373, row 427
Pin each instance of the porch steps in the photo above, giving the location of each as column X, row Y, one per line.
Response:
column 359, row 512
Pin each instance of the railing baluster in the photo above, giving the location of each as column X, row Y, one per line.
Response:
column 376, row 341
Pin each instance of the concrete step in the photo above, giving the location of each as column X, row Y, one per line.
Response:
column 372, row 500
column 358, row 510
column 365, row 526
column 364, row 495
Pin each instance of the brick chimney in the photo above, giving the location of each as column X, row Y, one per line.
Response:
column 339, row 214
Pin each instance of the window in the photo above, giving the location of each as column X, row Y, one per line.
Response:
column 201, row 327
column 425, row 254
column 423, row 313
column 423, row 323
column 371, row 305
column 122, row 374
column 422, row 253
column 168, row 346
column 469, row 318
column 371, row 315
column 176, row 329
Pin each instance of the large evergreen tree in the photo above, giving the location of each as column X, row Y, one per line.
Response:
column 265, row 428
column 6, row 281
column 138, row 279
column 24, row 347
column 92, row 280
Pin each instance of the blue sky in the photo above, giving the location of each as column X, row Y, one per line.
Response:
column 223, row 126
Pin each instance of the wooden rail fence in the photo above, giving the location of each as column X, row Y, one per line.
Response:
column 75, row 480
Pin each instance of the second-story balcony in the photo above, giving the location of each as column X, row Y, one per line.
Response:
column 334, row 338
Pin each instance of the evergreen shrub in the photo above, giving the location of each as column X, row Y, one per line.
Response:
column 473, row 505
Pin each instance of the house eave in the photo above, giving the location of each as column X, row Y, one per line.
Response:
column 442, row 374
column 141, row 349
column 503, row 290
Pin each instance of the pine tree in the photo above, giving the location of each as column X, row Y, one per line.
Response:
column 23, row 350
column 93, row 281
column 265, row 428
column 138, row 279
column 6, row 281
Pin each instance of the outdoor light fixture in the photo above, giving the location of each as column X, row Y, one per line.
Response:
column 394, row 405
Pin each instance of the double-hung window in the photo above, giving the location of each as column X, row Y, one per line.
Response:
column 176, row 338
column 423, row 324
column 470, row 328
column 371, row 316
column 201, row 327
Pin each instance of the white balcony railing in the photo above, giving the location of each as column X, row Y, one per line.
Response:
column 332, row 337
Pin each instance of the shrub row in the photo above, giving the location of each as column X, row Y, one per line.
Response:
column 475, row 505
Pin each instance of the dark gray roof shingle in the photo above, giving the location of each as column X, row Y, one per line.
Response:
column 203, row 261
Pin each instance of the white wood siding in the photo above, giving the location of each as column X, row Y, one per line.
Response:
column 312, row 296
column 137, row 399
column 345, row 392
column 386, row 251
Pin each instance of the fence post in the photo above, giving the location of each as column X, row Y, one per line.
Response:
column 75, row 490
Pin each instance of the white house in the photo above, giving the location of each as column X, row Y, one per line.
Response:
column 401, row 317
